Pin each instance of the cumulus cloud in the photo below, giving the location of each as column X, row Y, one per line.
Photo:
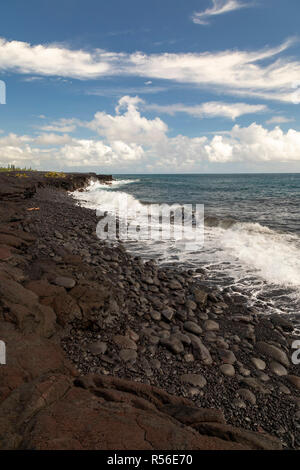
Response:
column 210, row 109
column 279, row 120
column 52, row 139
column 219, row 7
column 127, row 140
column 253, row 73
column 129, row 127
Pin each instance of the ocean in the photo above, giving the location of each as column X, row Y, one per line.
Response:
column 251, row 244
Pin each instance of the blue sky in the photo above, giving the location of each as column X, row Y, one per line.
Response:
column 151, row 86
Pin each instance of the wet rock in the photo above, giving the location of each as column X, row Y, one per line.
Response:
column 274, row 352
column 66, row 309
column 277, row 368
column 192, row 327
column 283, row 389
column 153, row 339
column 244, row 371
column 258, row 363
column 243, row 318
column 15, row 293
column 155, row 315
column 191, row 305
column 202, row 316
column 10, row 272
column 5, row 253
column 168, row 313
column 200, row 297
column 125, row 342
column 227, row 356
column 200, row 351
column 228, row 370
column 254, row 440
column 173, row 344
column 296, row 401
column 132, row 335
column 238, row 403
column 156, row 364
column 185, row 339
column 175, row 285
column 43, row 289
column 95, row 300
column 284, row 323
column 247, row 395
column 255, row 385
column 189, row 357
column 294, row 380
column 99, row 347
column 197, row 380
column 128, row 355
column 262, row 376
column 11, row 240
column 58, row 235
column 66, row 282
column 38, row 319
column 211, row 325
column 190, row 415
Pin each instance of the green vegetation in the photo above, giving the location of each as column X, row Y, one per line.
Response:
column 21, row 175
column 55, row 174
column 14, row 168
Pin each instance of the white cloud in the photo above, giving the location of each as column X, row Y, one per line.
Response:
column 52, row 59
column 234, row 72
column 129, row 127
column 219, row 7
column 84, row 152
column 13, row 140
column 61, row 125
column 210, row 109
column 52, row 139
column 130, row 141
column 279, row 120
column 257, row 143
column 230, row 71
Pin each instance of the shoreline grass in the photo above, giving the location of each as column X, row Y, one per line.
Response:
column 14, row 168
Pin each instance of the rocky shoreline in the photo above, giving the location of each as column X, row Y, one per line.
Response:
column 94, row 334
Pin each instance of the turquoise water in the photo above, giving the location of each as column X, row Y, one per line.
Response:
column 252, row 230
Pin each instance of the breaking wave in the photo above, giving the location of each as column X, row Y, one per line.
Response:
column 238, row 250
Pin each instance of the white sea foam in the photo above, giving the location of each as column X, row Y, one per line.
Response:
column 95, row 184
column 137, row 214
column 98, row 196
column 274, row 256
column 237, row 249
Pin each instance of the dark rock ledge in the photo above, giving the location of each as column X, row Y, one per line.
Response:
column 105, row 351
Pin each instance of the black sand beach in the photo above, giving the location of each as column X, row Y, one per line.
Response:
column 114, row 316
